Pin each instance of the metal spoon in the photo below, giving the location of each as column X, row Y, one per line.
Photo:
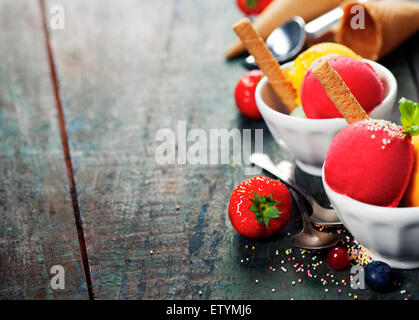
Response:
column 287, row 41
column 310, row 238
column 286, row 173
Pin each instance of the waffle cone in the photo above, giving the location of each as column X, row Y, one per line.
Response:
column 387, row 25
column 279, row 12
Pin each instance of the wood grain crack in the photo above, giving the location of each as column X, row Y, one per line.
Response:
column 66, row 150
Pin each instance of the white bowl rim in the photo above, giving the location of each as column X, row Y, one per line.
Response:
column 330, row 122
column 373, row 210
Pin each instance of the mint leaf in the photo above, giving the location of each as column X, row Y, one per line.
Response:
column 412, row 130
column 409, row 111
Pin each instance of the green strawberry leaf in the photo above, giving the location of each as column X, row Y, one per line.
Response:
column 270, row 213
column 251, row 3
column 409, row 111
column 264, row 208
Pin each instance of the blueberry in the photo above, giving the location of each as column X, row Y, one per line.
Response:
column 379, row 276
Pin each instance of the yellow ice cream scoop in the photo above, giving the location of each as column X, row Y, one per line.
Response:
column 303, row 62
column 411, row 197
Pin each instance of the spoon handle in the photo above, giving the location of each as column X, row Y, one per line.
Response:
column 263, row 161
column 303, row 210
column 319, row 26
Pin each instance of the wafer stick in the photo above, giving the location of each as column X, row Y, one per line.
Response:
column 339, row 93
column 266, row 62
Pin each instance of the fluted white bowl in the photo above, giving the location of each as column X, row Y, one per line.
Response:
column 389, row 234
column 309, row 139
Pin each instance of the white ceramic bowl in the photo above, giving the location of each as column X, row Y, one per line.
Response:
column 389, row 234
column 309, row 139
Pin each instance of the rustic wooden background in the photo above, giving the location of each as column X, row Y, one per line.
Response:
column 79, row 110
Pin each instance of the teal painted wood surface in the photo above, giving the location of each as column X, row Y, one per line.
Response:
column 127, row 69
column 37, row 228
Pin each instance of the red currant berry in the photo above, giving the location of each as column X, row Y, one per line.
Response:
column 338, row 258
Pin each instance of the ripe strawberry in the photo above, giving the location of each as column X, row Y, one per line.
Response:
column 244, row 94
column 251, row 7
column 260, row 207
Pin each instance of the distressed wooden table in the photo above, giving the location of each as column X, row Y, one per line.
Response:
column 80, row 186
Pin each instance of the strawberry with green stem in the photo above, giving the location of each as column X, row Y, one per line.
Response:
column 252, row 7
column 260, row 207
column 244, row 93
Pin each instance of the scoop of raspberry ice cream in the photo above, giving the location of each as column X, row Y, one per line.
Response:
column 370, row 161
column 358, row 75
column 304, row 60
